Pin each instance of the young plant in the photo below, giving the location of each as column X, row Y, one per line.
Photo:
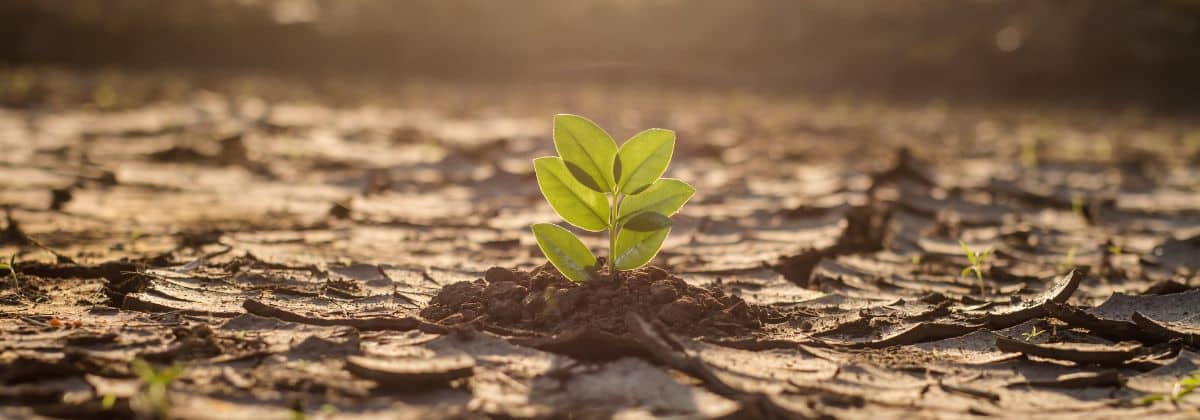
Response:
column 1069, row 262
column 1185, row 386
column 1114, row 250
column 154, row 385
column 11, row 266
column 1033, row 333
column 1077, row 206
column 596, row 186
column 977, row 260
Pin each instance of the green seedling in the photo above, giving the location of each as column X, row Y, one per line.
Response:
column 1077, row 206
column 154, row 384
column 596, row 186
column 1185, row 386
column 1069, row 262
column 1033, row 333
column 11, row 266
column 108, row 402
column 1029, row 156
column 977, row 259
column 1115, row 250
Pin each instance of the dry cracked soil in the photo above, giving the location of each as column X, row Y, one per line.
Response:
column 300, row 258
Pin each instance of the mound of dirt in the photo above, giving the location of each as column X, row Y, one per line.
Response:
column 543, row 300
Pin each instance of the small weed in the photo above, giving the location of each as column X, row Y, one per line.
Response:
column 1185, row 386
column 155, row 382
column 1069, row 262
column 1077, row 206
column 11, row 266
column 916, row 259
column 108, row 402
column 1029, row 155
column 1114, row 249
column 1033, row 333
column 977, row 259
column 596, row 186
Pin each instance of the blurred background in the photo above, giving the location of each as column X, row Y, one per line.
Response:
column 1110, row 52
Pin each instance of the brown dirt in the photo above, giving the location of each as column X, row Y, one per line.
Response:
column 300, row 256
column 543, row 300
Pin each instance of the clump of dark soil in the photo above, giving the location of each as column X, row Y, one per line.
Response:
column 543, row 300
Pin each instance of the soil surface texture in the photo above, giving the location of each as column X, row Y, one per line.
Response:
column 328, row 251
column 544, row 300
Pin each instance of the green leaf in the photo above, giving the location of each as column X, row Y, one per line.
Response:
column 647, row 221
column 644, row 158
column 584, row 144
column 665, row 197
column 970, row 255
column 966, row 271
column 634, row 249
column 1152, row 398
column 568, row 254
column 574, row 202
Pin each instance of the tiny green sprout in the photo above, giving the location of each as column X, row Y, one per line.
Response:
column 1077, row 206
column 1029, row 156
column 1114, row 249
column 977, row 260
column 154, row 384
column 1182, row 388
column 916, row 259
column 108, row 401
column 1069, row 262
column 1033, row 333
column 595, row 186
column 11, row 266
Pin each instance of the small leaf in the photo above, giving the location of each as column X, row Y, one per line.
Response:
column 970, row 255
column 634, row 249
column 644, row 158
column 1152, row 398
column 647, row 221
column 966, row 271
column 583, row 143
column 665, row 197
column 108, row 402
column 574, row 202
column 566, row 252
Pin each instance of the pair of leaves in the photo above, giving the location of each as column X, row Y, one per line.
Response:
column 571, row 257
column 593, row 159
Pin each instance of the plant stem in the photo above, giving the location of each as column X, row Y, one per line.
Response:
column 612, row 232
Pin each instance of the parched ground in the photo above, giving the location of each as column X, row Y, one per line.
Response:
column 282, row 251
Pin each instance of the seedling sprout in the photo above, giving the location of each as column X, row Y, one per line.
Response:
column 154, row 384
column 597, row 186
column 977, row 260
column 1182, row 388
column 1069, row 262
column 11, row 266
column 1033, row 333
